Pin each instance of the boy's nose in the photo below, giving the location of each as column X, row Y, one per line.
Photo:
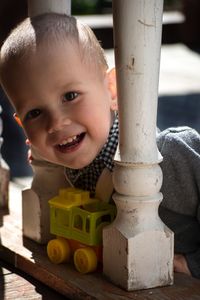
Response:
column 58, row 123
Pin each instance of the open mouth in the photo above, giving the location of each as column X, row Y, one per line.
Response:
column 71, row 143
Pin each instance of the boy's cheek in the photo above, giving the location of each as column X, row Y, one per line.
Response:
column 31, row 137
column 32, row 131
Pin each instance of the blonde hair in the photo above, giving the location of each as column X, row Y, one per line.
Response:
column 42, row 31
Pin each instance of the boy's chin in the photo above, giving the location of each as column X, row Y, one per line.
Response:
column 78, row 164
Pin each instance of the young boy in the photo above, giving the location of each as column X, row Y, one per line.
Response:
column 55, row 74
column 180, row 208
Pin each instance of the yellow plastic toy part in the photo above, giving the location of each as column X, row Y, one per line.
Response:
column 58, row 250
column 85, row 260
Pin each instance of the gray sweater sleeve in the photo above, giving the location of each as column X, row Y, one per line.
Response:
column 180, row 208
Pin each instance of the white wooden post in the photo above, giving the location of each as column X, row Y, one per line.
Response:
column 4, row 174
column 48, row 178
column 138, row 247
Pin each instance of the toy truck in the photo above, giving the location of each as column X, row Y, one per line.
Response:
column 77, row 220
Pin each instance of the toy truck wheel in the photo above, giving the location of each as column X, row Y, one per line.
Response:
column 58, row 250
column 85, row 260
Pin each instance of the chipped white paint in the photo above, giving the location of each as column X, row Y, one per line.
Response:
column 138, row 247
column 48, row 178
column 4, row 183
column 38, row 7
column 4, row 174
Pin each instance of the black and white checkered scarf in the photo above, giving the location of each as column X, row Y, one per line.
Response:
column 87, row 177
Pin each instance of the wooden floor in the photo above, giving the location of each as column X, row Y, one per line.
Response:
column 31, row 259
column 15, row 284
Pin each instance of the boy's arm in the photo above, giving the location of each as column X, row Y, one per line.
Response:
column 180, row 148
column 180, row 264
column 193, row 262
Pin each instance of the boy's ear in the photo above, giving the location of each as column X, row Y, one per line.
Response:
column 111, row 76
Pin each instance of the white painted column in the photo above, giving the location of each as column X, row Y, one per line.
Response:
column 38, row 7
column 138, row 247
column 47, row 178
column 4, row 174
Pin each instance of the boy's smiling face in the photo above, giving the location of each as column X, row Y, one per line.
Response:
column 64, row 105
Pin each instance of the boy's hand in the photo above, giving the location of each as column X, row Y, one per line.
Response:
column 180, row 264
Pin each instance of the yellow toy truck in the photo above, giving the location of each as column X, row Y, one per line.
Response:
column 77, row 220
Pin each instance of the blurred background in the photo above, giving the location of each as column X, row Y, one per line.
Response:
column 179, row 85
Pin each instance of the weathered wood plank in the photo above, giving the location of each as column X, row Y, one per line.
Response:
column 31, row 258
column 15, row 284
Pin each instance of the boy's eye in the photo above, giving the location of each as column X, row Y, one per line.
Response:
column 32, row 114
column 70, row 96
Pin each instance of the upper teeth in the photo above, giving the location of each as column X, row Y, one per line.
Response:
column 68, row 140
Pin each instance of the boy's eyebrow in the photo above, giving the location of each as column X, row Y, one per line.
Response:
column 72, row 83
column 69, row 85
column 21, row 110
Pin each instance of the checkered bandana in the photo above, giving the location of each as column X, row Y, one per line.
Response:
column 87, row 177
